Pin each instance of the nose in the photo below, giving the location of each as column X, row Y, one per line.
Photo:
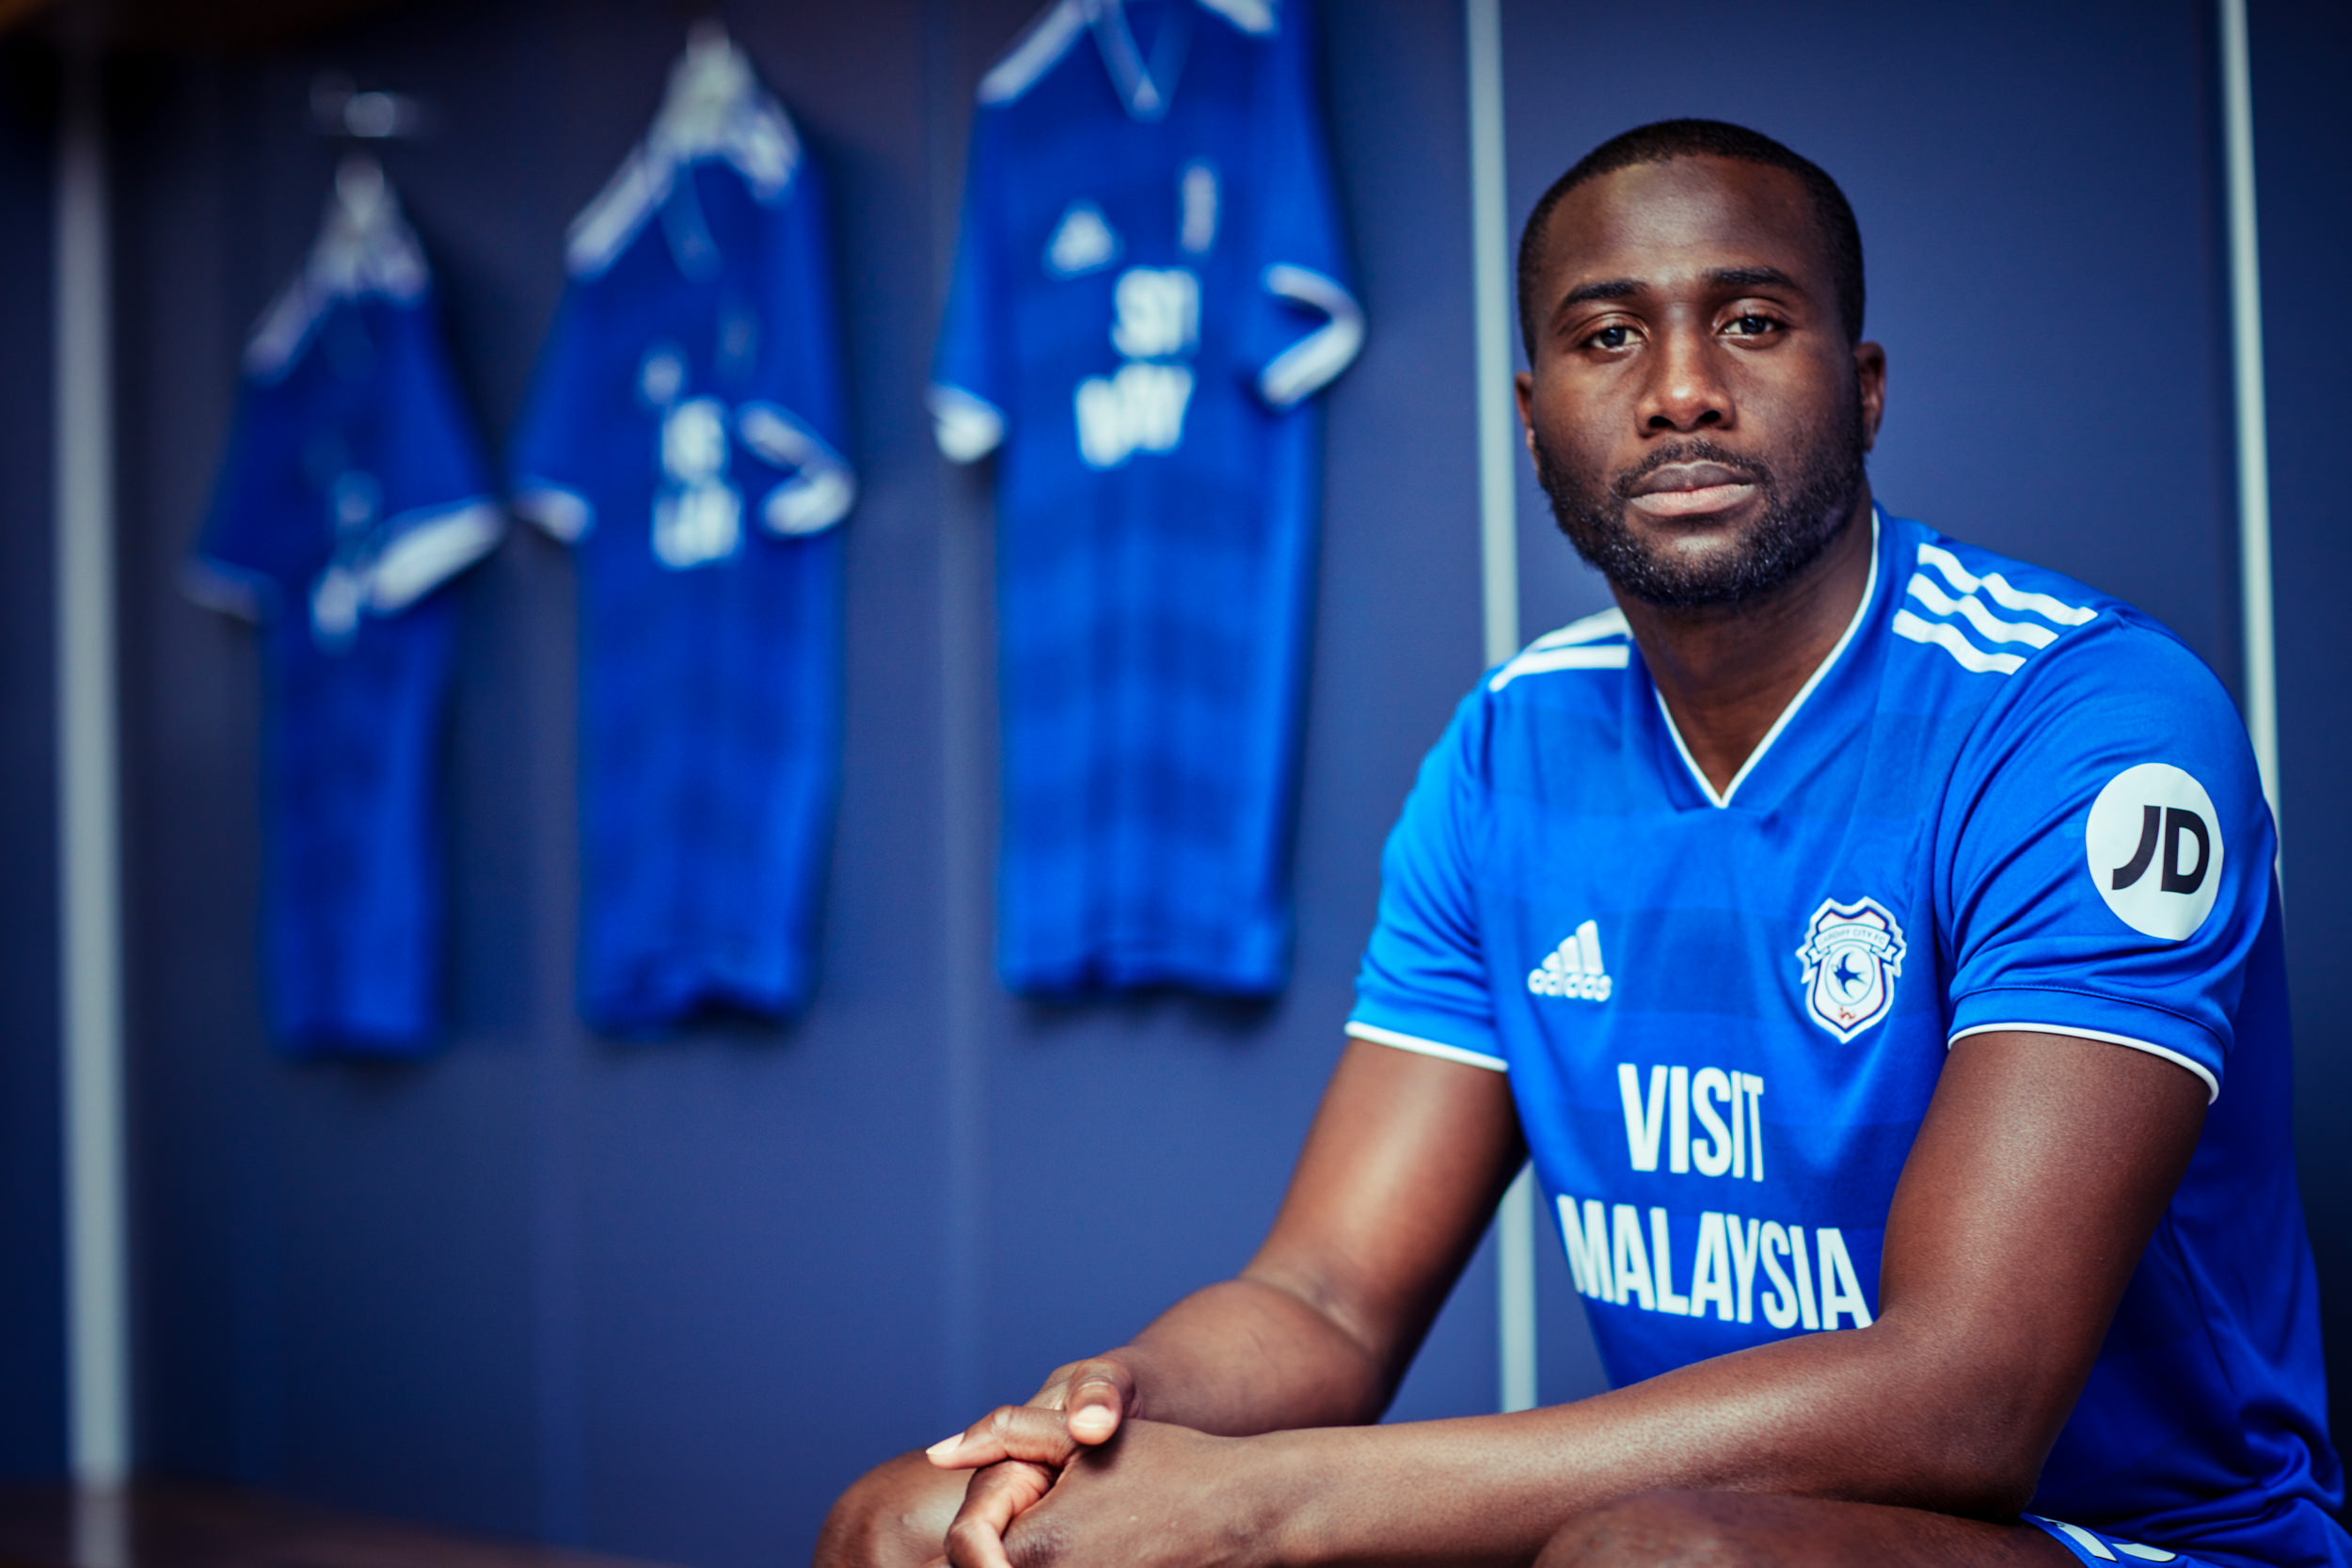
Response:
column 1685, row 393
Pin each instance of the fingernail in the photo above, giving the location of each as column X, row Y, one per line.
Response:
column 945, row 1443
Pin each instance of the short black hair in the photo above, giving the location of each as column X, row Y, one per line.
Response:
column 1667, row 139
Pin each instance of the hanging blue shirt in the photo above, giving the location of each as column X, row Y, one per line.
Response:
column 1149, row 291
column 352, row 488
column 685, row 436
column 2004, row 803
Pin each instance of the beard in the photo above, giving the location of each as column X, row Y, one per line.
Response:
column 1808, row 496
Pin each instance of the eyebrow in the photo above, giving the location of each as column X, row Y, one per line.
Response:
column 1726, row 278
column 1616, row 288
column 1749, row 278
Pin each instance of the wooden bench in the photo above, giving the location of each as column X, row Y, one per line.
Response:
column 183, row 1524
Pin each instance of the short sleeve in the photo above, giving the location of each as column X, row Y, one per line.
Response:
column 439, row 516
column 254, row 548
column 972, row 369
column 548, row 474
column 2107, row 854
column 1422, row 984
column 358, row 452
column 1304, row 324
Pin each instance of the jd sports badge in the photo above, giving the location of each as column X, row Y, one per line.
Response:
column 2153, row 848
column 1852, row 954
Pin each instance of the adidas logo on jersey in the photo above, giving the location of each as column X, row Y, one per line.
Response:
column 1573, row 968
column 1083, row 242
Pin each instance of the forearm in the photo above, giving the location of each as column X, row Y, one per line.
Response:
column 1247, row 1355
column 2012, row 1236
column 1406, row 1161
column 1857, row 1416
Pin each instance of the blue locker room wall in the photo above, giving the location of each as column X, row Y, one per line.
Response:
column 32, row 1294
column 666, row 1299
column 2303, row 148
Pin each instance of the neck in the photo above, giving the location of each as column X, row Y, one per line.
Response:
column 1728, row 674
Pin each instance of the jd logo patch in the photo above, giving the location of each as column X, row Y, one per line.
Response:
column 1852, row 955
column 2153, row 848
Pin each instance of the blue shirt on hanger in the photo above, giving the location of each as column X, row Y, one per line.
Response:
column 353, row 487
column 1149, row 291
column 684, row 436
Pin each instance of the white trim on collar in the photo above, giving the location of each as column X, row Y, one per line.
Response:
column 1862, row 610
column 1145, row 86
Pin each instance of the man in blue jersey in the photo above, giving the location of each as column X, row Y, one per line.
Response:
column 1873, row 942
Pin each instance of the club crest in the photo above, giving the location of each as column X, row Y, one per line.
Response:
column 1852, row 954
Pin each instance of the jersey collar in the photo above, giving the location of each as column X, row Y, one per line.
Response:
column 1861, row 615
column 1146, row 86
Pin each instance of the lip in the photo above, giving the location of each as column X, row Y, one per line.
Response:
column 1690, row 490
column 1691, row 503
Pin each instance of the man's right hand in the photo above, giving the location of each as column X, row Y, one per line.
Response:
column 898, row 1514
column 1080, row 1405
column 1407, row 1158
column 1019, row 1450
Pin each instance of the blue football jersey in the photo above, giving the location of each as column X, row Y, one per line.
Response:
column 1148, row 292
column 685, row 436
column 2005, row 803
column 353, row 487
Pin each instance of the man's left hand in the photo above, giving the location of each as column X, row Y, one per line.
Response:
column 1158, row 1495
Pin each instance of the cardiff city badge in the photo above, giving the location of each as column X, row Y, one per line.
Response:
column 1852, row 954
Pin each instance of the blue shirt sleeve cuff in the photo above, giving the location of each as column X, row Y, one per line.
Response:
column 2052, row 1010
column 1428, row 1033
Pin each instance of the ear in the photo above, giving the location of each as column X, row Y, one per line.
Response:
column 1869, row 369
column 1523, row 390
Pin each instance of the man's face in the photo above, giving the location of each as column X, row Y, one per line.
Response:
column 1694, row 410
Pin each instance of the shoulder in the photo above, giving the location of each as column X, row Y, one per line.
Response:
column 1575, row 672
column 1597, row 641
column 365, row 251
column 1548, row 695
column 715, row 111
column 1258, row 18
column 1986, row 613
column 1053, row 35
column 2020, row 637
column 2082, row 695
column 1042, row 45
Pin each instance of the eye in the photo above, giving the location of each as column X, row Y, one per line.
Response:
column 1611, row 337
column 1749, row 325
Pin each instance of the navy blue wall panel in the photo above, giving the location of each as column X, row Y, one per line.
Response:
column 557, row 1286
column 2032, row 205
column 32, row 1308
column 1137, row 1150
column 2302, row 55
column 337, row 1259
column 1402, row 635
column 761, row 1217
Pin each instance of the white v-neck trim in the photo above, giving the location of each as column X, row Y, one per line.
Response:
column 1862, row 610
column 1145, row 94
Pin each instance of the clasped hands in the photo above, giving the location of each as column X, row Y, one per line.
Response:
column 1053, row 1486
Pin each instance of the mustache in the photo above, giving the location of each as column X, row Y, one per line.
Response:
column 1692, row 449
